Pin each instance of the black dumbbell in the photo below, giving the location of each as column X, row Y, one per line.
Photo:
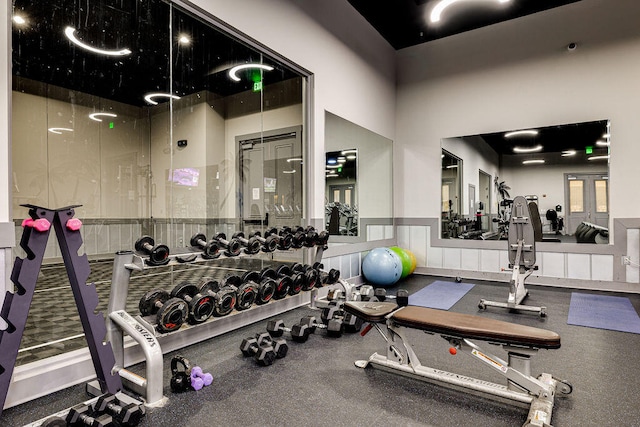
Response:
column 251, row 245
column 246, row 292
column 311, row 276
column 401, row 296
column 265, row 286
column 210, row 249
column 170, row 313
column 264, row 355
column 283, row 283
column 351, row 323
column 54, row 422
column 200, row 305
column 310, row 236
column 80, row 415
column 327, row 277
column 280, row 346
column 298, row 237
column 269, row 244
column 232, row 247
column 297, row 278
column 224, row 297
column 333, row 326
column 283, row 238
column 128, row 415
column 158, row 255
column 299, row 332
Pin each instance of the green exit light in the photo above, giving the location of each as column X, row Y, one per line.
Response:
column 339, row 169
column 110, row 125
column 257, row 86
column 588, row 150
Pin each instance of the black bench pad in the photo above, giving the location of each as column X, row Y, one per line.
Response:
column 457, row 325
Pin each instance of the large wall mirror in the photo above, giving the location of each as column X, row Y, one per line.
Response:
column 562, row 170
column 157, row 122
column 359, row 182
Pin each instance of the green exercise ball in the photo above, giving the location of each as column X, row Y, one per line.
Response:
column 405, row 259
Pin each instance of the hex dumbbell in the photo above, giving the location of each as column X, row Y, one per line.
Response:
column 170, row 313
column 210, row 249
column 128, row 415
column 280, row 346
column 80, row 416
column 269, row 244
column 224, row 297
column 200, row 379
column 333, row 326
column 251, row 245
column 265, row 286
column 232, row 247
column 158, row 255
column 263, row 355
column 283, row 283
column 201, row 306
column 299, row 332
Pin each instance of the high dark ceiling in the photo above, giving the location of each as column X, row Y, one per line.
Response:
column 150, row 29
column 554, row 140
column 405, row 23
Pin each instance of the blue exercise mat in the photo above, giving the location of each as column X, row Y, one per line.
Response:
column 440, row 295
column 603, row 312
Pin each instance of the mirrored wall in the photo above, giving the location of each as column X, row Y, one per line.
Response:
column 563, row 170
column 157, row 122
column 359, row 182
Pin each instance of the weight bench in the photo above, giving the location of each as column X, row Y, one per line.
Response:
column 522, row 259
column 520, row 342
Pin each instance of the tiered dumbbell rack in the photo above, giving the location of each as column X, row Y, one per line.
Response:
column 24, row 275
column 153, row 344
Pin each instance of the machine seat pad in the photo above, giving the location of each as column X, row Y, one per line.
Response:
column 457, row 325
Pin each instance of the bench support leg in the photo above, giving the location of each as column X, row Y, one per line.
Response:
column 522, row 389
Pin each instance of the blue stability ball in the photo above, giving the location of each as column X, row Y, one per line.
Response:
column 382, row 267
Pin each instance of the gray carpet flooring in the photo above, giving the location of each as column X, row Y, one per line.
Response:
column 317, row 383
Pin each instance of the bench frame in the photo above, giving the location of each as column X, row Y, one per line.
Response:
column 522, row 389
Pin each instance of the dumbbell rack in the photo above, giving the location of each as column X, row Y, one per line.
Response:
column 24, row 275
column 151, row 344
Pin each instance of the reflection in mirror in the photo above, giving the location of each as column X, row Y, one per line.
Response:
column 342, row 209
column 368, row 183
column 137, row 111
column 562, row 170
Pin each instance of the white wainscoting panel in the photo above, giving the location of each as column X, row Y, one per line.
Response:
column 579, row 266
column 602, row 267
column 553, row 264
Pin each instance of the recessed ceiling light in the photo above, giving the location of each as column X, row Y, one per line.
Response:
column 331, row 161
column 19, row 20
column 294, row 159
column 527, row 132
column 96, row 116
column 234, row 70
column 345, row 152
column 598, row 158
column 184, row 39
column 332, row 175
column 59, row 130
column 568, row 153
column 602, row 143
column 333, row 166
column 528, row 149
column 440, row 7
column 70, row 33
column 150, row 97
column 351, row 157
column 533, row 162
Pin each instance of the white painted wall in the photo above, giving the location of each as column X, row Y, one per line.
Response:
column 515, row 75
column 353, row 66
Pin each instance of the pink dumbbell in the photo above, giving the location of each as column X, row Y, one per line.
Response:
column 40, row 224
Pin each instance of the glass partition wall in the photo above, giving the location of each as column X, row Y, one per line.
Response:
column 157, row 123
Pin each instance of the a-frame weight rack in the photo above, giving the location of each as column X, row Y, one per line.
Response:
column 25, row 275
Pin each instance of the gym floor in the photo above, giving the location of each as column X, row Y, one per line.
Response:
column 317, row 383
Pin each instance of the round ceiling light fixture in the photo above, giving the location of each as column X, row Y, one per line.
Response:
column 233, row 72
column 70, row 33
column 150, row 97
column 440, row 7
